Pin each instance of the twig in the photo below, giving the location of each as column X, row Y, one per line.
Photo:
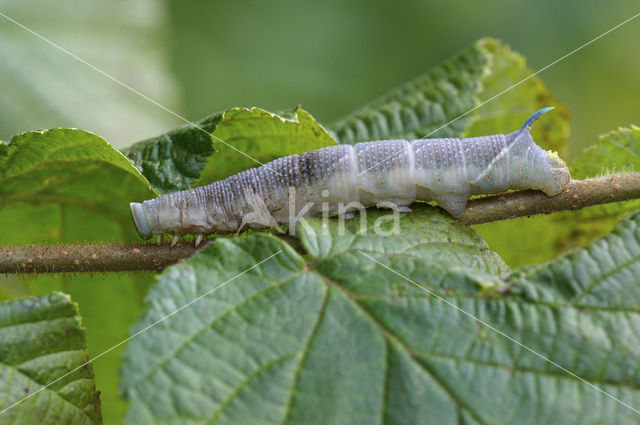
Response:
column 91, row 257
column 134, row 257
column 578, row 194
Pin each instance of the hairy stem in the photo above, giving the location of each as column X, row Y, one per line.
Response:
column 578, row 194
column 135, row 257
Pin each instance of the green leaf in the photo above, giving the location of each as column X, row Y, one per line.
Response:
column 266, row 345
column 617, row 151
column 65, row 186
column 424, row 107
column 598, row 276
column 340, row 336
column 72, row 174
column 110, row 304
column 42, row 340
column 174, row 161
column 190, row 156
column 424, row 233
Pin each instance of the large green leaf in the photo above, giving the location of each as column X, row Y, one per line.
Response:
column 64, row 186
column 341, row 335
column 197, row 155
column 42, row 340
column 68, row 178
column 236, row 353
column 426, row 105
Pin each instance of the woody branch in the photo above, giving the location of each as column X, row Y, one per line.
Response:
column 137, row 257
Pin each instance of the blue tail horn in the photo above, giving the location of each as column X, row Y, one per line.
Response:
column 533, row 118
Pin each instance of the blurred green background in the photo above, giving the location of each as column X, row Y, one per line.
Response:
column 197, row 57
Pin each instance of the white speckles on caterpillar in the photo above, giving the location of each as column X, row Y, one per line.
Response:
column 399, row 172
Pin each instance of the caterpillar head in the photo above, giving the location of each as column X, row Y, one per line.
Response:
column 140, row 220
column 533, row 167
column 179, row 214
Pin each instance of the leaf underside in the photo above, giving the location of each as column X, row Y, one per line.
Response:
column 335, row 336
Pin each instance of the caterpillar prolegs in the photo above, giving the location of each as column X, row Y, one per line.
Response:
column 385, row 172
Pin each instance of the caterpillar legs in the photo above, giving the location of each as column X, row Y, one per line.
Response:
column 454, row 204
column 176, row 238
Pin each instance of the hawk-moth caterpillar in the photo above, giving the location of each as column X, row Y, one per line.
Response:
column 399, row 172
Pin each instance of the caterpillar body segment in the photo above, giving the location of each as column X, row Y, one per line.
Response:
column 338, row 179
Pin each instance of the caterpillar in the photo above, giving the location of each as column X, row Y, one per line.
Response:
column 397, row 172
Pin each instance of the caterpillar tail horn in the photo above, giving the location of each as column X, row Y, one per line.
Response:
column 534, row 117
